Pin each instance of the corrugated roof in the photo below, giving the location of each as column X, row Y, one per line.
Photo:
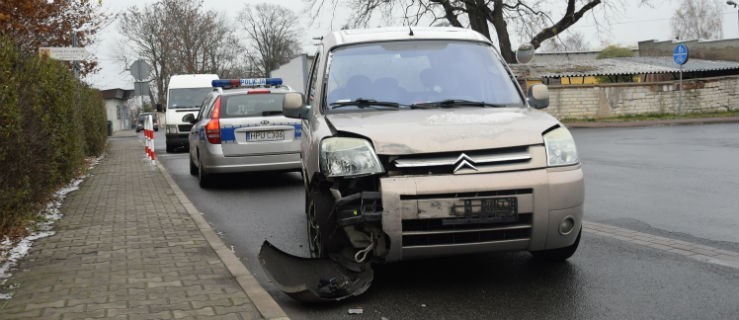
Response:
column 631, row 65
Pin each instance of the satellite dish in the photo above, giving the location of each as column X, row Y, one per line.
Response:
column 525, row 53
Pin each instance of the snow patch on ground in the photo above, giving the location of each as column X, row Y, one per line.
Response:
column 47, row 217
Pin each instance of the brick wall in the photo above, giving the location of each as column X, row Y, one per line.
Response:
column 609, row 100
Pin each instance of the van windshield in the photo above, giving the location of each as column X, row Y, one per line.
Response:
column 187, row 97
column 418, row 72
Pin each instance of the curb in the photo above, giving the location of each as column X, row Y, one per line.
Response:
column 651, row 123
column 267, row 307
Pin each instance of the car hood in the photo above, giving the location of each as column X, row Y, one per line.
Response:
column 441, row 130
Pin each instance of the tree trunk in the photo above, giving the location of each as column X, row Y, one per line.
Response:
column 501, row 29
column 570, row 17
column 476, row 11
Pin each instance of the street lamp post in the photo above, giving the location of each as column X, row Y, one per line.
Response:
column 732, row 3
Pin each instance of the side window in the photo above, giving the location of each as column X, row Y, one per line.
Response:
column 206, row 106
column 311, row 88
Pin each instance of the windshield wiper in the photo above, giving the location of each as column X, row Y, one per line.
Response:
column 364, row 103
column 450, row 103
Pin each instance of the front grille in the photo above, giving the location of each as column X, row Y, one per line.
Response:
column 456, row 162
column 425, row 232
column 466, row 194
column 184, row 127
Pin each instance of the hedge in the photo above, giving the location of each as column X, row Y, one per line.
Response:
column 49, row 123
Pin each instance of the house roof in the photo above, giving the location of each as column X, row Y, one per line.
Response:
column 624, row 66
column 120, row 94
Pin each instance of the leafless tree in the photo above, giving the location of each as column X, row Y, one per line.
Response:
column 272, row 33
column 179, row 36
column 574, row 41
column 532, row 18
column 697, row 19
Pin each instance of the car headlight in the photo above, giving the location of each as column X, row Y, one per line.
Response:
column 348, row 157
column 560, row 148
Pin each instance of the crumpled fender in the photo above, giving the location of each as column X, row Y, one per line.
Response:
column 314, row 280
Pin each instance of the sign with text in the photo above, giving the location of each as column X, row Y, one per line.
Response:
column 64, row 53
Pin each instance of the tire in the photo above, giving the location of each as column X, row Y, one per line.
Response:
column 193, row 167
column 205, row 180
column 560, row 254
column 324, row 237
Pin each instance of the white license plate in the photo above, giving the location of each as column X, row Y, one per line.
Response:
column 270, row 135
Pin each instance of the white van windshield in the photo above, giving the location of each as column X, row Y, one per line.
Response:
column 417, row 72
column 187, row 97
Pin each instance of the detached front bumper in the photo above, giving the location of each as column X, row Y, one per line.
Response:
column 418, row 211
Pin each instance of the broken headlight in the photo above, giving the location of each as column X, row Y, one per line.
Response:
column 348, row 157
column 560, row 147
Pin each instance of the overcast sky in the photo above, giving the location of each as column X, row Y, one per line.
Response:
column 625, row 27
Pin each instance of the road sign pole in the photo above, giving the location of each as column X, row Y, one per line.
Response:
column 680, row 103
column 681, row 56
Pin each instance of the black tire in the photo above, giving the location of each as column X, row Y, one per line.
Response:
column 193, row 167
column 324, row 237
column 558, row 255
column 205, row 180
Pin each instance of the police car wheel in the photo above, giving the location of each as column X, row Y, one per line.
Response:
column 204, row 179
column 193, row 167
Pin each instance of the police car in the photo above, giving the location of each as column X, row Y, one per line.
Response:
column 240, row 128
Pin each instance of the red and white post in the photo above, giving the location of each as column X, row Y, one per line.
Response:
column 149, row 135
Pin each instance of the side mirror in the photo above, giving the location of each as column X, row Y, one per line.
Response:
column 293, row 106
column 525, row 53
column 189, row 118
column 160, row 108
column 538, row 96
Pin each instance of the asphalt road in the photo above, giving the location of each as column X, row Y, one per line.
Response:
column 678, row 182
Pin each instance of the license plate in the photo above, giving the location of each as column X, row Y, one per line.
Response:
column 270, row 135
column 488, row 209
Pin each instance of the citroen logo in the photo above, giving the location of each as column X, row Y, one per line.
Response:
column 464, row 161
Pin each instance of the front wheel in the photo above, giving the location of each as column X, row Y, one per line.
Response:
column 560, row 254
column 323, row 233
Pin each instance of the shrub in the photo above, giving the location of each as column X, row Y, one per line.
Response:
column 49, row 122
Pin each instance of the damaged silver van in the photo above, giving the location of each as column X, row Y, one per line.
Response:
column 420, row 143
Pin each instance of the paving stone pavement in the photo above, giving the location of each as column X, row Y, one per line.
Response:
column 127, row 248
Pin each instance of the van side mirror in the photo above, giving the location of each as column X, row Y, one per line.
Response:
column 160, row 108
column 293, row 106
column 189, row 118
column 538, row 96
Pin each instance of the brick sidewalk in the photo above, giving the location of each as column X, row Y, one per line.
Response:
column 127, row 248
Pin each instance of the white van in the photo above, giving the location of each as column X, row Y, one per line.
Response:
column 185, row 95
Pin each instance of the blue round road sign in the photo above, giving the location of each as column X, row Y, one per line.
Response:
column 680, row 54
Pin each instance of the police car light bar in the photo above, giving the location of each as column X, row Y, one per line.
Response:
column 252, row 82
